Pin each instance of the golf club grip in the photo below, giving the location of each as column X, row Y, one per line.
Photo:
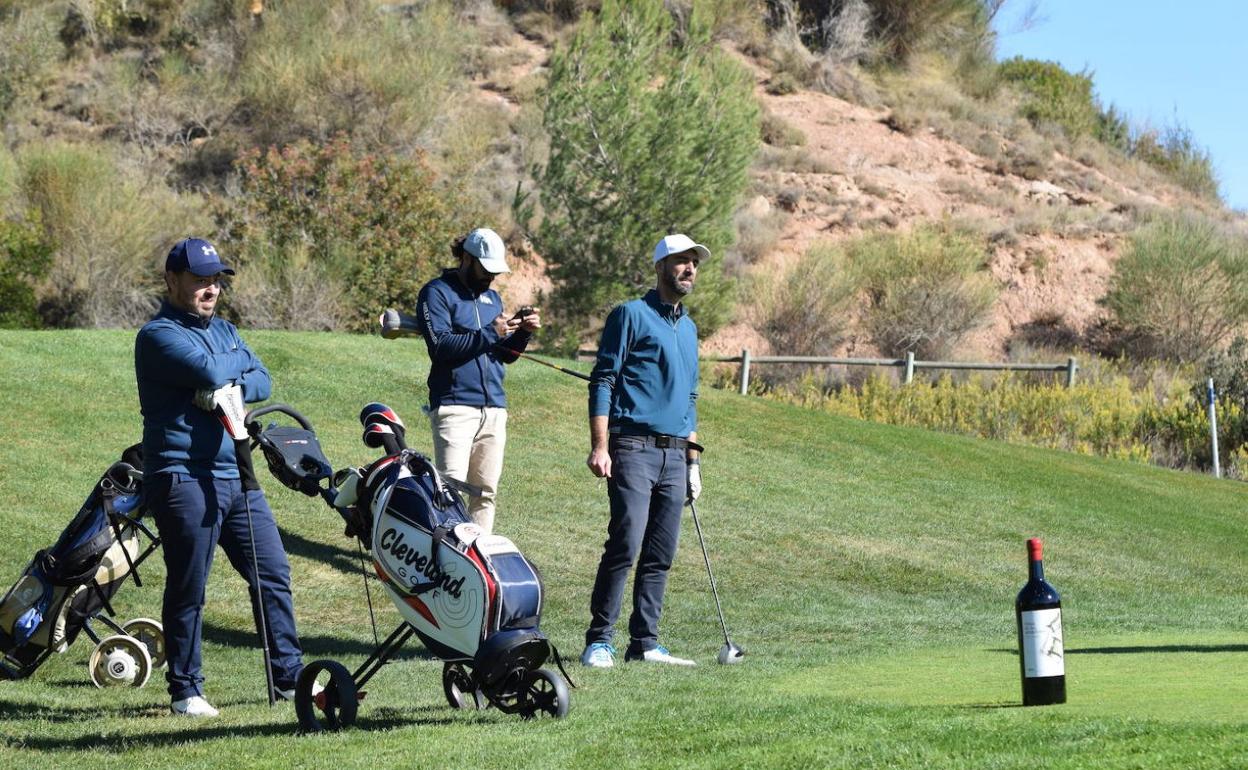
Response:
column 246, row 471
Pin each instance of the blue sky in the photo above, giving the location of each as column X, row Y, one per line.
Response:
column 1155, row 61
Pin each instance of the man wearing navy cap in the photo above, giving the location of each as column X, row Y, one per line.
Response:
column 643, row 424
column 191, row 479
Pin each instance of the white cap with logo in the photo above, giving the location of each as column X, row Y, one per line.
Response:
column 675, row 244
column 484, row 244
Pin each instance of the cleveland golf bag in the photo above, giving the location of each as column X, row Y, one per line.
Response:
column 473, row 599
column 71, row 584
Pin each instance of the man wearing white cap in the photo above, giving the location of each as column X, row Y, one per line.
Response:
column 470, row 338
column 643, row 425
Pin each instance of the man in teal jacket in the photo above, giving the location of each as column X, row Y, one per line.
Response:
column 191, row 481
column 643, row 437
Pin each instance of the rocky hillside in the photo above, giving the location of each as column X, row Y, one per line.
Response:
column 904, row 148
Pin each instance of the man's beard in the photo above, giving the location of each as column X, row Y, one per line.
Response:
column 674, row 284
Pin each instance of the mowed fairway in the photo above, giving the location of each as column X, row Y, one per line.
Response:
column 868, row 571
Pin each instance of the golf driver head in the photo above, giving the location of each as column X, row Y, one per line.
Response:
column 394, row 324
column 376, row 411
column 730, row 654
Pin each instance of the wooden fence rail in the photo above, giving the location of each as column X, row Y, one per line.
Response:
column 907, row 364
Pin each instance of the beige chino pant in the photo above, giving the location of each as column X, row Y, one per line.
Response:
column 468, row 443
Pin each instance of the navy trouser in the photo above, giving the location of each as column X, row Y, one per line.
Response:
column 647, row 493
column 193, row 515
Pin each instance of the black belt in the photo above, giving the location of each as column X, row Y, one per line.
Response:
column 658, row 440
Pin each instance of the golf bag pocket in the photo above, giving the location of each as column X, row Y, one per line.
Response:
column 518, row 586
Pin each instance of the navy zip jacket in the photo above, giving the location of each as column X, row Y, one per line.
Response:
column 466, row 352
column 645, row 378
column 175, row 354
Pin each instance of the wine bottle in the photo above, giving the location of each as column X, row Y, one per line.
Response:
column 1041, row 656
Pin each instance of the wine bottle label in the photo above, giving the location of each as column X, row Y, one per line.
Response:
column 1043, row 654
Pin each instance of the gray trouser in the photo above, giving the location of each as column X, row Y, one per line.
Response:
column 647, row 492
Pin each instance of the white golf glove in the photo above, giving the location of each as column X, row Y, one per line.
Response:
column 206, row 399
column 695, row 480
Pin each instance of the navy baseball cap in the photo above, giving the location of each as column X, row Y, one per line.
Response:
column 198, row 256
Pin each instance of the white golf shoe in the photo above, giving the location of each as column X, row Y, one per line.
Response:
column 194, row 706
column 598, row 655
column 658, row 655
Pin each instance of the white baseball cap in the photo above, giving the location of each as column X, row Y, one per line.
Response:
column 484, row 244
column 675, row 244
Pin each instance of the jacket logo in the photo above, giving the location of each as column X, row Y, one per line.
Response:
column 486, row 300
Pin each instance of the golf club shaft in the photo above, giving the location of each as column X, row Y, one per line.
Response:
column 395, row 324
column 242, row 451
column 572, row 372
column 706, row 558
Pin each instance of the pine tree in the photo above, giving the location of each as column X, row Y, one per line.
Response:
column 651, row 130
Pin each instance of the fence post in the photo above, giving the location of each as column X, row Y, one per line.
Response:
column 1213, row 429
column 1071, row 368
column 745, row 371
column 909, row 376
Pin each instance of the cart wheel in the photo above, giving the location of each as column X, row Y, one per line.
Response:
column 461, row 691
column 152, row 635
column 119, row 660
column 545, row 693
column 330, row 709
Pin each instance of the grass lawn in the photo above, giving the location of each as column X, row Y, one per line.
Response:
column 868, row 571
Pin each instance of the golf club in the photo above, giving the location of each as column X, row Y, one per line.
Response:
column 395, row 324
column 229, row 408
column 729, row 653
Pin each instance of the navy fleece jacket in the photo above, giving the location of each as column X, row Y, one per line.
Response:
column 175, row 354
column 467, row 355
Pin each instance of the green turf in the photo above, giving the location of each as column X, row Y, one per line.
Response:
column 869, row 572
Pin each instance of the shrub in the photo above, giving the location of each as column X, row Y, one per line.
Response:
column 647, row 134
column 1109, row 417
column 778, row 132
column 369, row 228
column 1181, row 288
column 1053, row 95
column 924, row 289
column 318, row 69
column 108, row 230
column 805, row 309
column 25, row 258
column 1174, row 152
column 27, row 52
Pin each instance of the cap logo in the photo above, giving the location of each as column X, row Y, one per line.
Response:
column 209, row 250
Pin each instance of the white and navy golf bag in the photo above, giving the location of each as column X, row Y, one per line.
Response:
column 455, row 585
column 472, row 598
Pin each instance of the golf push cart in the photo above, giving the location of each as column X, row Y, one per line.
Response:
column 66, row 587
column 471, row 598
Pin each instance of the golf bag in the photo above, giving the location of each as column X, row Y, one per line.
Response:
column 70, row 584
column 472, row 599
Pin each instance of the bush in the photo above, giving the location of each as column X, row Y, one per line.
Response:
column 367, row 229
column 1110, row 417
column 1174, row 152
column 1053, row 95
column 27, row 53
column 318, row 69
column 648, row 134
column 805, row 310
column 1181, row 288
column 25, row 258
column 924, row 289
column 109, row 231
